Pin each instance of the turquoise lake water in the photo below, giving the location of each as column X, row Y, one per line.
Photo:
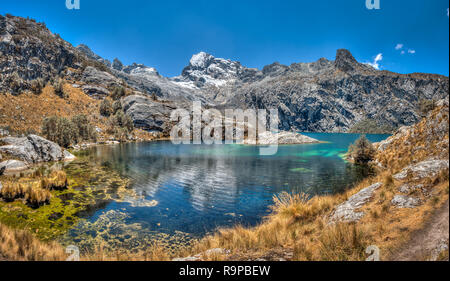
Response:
column 196, row 188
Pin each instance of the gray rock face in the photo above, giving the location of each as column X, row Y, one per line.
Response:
column 347, row 211
column 321, row 96
column 94, row 76
column 403, row 201
column 12, row 166
column 148, row 114
column 32, row 149
column 424, row 169
column 117, row 64
column 30, row 51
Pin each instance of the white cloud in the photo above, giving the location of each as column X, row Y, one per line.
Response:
column 447, row 12
column 402, row 52
column 411, row 51
column 375, row 63
column 399, row 46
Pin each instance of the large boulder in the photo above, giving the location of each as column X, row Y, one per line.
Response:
column 424, row 169
column 347, row 211
column 32, row 149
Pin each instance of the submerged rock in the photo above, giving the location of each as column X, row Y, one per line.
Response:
column 346, row 212
column 403, row 201
column 424, row 169
column 32, row 149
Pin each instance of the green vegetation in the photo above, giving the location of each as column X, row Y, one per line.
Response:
column 370, row 126
column 362, row 151
column 118, row 93
column 66, row 132
column 120, row 125
column 59, row 88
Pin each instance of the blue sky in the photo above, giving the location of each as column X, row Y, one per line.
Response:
column 165, row 34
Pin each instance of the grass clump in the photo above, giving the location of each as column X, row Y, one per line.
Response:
column 343, row 242
column 36, row 196
column 12, row 191
column 56, row 181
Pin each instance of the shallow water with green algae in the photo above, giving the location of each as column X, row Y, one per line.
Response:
column 133, row 195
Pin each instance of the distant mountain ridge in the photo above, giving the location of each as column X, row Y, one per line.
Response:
column 321, row 96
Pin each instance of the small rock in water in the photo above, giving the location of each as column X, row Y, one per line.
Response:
column 403, row 201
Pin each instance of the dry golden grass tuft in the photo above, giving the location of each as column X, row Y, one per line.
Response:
column 56, row 181
column 35, row 191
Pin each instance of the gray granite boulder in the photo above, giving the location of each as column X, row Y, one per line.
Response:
column 347, row 211
column 424, row 169
column 32, row 149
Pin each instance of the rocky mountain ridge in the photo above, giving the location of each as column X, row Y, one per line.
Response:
column 322, row 96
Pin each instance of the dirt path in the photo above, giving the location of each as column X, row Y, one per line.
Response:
column 427, row 240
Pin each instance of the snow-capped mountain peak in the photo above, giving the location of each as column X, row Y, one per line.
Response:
column 200, row 60
column 206, row 70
